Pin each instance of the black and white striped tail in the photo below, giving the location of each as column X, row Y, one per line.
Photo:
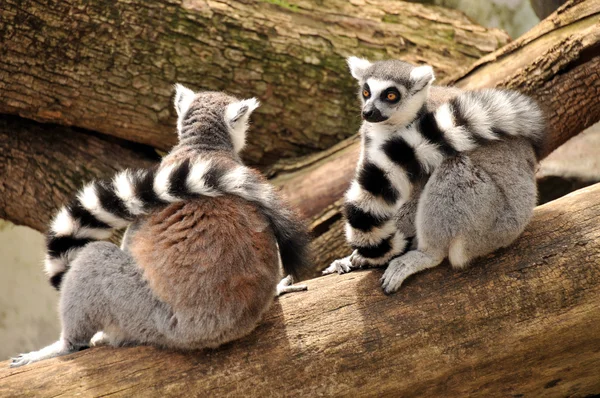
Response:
column 393, row 161
column 475, row 118
column 104, row 206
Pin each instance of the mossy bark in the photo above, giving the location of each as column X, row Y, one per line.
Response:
column 110, row 66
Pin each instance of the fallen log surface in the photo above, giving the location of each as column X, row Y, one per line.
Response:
column 110, row 66
column 521, row 322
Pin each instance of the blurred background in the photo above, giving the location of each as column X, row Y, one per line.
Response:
column 28, row 318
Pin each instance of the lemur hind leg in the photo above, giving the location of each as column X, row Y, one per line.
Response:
column 459, row 201
column 103, row 290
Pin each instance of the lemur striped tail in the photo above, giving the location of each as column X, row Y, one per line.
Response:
column 104, row 206
column 393, row 161
column 476, row 117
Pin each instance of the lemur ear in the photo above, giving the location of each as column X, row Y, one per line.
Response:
column 236, row 117
column 421, row 76
column 358, row 66
column 183, row 99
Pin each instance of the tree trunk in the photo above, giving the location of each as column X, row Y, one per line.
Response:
column 43, row 165
column 522, row 322
column 110, row 66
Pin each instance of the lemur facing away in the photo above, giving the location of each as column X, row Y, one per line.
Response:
column 442, row 173
column 199, row 263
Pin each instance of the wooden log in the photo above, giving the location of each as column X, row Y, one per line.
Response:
column 110, row 66
column 43, row 165
column 521, row 322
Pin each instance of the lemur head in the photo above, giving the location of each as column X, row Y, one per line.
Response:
column 213, row 120
column 392, row 92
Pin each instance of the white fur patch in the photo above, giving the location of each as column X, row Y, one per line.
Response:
column 422, row 76
column 234, row 180
column 358, row 66
column 183, row 100
column 64, row 224
column 458, row 137
column 123, row 187
column 195, row 181
column 89, row 200
column 427, row 153
column 367, row 202
column 162, row 184
column 411, row 106
column 457, row 254
column 94, row 233
column 236, row 117
column 376, row 86
column 373, row 237
column 54, row 266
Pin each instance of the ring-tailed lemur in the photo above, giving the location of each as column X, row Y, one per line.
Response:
column 199, row 263
column 457, row 174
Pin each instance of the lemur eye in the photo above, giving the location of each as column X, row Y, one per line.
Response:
column 391, row 95
column 366, row 93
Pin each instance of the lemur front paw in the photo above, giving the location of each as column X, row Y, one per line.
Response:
column 341, row 266
column 286, row 285
column 395, row 274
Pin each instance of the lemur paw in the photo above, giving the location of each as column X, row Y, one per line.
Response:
column 100, row 339
column 341, row 266
column 393, row 277
column 286, row 286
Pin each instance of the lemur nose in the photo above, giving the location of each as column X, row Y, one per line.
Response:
column 368, row 114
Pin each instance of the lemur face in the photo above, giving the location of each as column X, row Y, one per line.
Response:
column 392, row 92
column 207, row 112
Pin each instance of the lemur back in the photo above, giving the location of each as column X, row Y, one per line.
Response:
column 421, row 151
column 199, row 263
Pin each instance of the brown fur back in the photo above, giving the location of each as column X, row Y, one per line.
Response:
column 215, row 257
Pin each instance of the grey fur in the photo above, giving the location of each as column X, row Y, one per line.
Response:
column 477, row 199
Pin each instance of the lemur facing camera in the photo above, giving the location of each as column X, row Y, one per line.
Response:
column 442, row 172
column 199, row 262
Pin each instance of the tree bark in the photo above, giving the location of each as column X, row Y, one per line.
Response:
column 43, row 165
column 522, row 322
column 110, row 66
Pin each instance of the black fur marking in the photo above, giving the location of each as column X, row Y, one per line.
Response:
column 374, row 180
column 58, row 245
column 461, row 121
column 429, row 128
column 177, row 180
column 375, row 251
column 293, row 239
column 404, row 156
column 110, row 201
column 144, row 189
column 56, row 280
column 359, row 219
column 213, row 177
column 85, row 218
